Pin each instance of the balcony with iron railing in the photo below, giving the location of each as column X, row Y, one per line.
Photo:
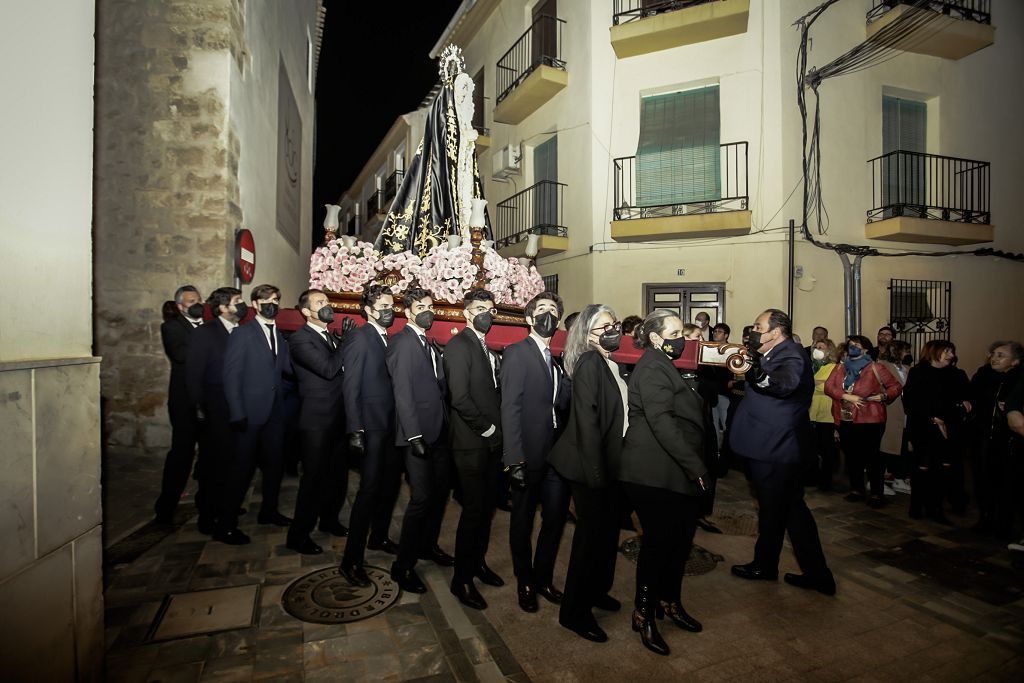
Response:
column 951, row 29
column 391, row 185
column 483, row 137
column 537, row 210
column 927, row 198
column 644, row 26
column 688, row 197
column 373, row 207
column 531, row 72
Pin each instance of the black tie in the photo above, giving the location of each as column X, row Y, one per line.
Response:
column 273, row 338
column 327, row 336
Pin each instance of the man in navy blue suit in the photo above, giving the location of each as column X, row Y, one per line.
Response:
column 204, row 378
column 255, row 364
column 421, row 431
column 533, row 391
column 370, row 423
column 772, row 430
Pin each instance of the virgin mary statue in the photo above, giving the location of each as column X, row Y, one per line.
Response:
column 434, row 199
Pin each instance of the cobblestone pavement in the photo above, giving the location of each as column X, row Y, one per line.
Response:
column 915, row 601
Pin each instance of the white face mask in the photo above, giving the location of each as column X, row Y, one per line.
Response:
column 817, row 354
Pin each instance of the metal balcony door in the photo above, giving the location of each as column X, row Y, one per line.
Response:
column 544, row 41
column 545, row 196
column 688, row 300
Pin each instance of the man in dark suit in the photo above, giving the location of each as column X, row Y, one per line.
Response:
column 255, row 364
column 317, row 359
column 531, row 388
column 772, row 430
column 421, row 431
column 370, row 423
column 204, row 377
column 176, row 334
column 473, row 374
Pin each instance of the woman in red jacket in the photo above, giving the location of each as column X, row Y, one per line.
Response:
column 860, row 390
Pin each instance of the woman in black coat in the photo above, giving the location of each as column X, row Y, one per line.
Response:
column 592, row 440
column 663, row 471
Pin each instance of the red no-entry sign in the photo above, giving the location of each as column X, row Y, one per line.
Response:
column 245, row 255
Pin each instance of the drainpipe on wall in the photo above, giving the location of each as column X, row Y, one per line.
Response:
column 851, row 293
column 857, row 308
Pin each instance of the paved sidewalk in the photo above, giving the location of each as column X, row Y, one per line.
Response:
column 915, row 601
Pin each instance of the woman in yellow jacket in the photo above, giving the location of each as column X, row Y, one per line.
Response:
column 823, row 360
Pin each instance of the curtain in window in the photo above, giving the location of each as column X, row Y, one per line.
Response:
column 678, row 157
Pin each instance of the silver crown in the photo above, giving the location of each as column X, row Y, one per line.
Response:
column 452, row 63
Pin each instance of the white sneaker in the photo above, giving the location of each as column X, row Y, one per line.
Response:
column 901, row 485
column 887, row 489
column 1019, row 547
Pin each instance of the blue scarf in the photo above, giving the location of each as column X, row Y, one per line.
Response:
column 853, row 368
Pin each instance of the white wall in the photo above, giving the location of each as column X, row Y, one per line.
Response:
column 274, row 30
column 46, row 141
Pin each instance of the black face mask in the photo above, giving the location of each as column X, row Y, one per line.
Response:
column 195, row 311
column 610, row 340
column 240, row 310
column 673, row 348
column 325, row 315
column 269, row 310
column 908, row 359
column 482, row 322
column 424, row 320
column 545, row 325
column 754, row 341
column 386, row 319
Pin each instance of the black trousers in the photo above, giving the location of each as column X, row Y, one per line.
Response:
column 932, row 474
column 827, row 453
column 259, row 445
column 478, row 471
column 545, row 488
column 780, row 497
column 324, row 482
column 216, row 457
column 595, row 544
column 429, row 482
column 861, row 444
column 669, row 520
column 380, row 463
column 178, row 464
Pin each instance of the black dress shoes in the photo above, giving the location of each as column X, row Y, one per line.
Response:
column 355, row 575
column 754, row 573
column 679, row 617
column 608, row 603
column 407, row 579
column 586, row 628
column 527, row 598
column 438, row 557
column 550, row 593
column 487, row 576
column 387, row 545
column 825, row 584
column 304, row 546
column 468, row 595
column 275, row 518
column 337, row 529
column 233, row 537
column 708, row 526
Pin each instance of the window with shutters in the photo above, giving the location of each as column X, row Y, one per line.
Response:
column 904, row 126
column 678, row 156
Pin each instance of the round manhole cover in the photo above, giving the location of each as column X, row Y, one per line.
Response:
column 326, row 597
column 701, row 561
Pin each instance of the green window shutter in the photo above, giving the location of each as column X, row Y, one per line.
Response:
column 678, row 159
column 904, row 125
column 904, row 128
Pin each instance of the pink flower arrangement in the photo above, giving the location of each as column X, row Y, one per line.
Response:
column 446, row 273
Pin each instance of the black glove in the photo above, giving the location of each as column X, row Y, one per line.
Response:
column 240, row 425
column 419, row 448
column 517, row 476
column 357, row 442
column 756, row 373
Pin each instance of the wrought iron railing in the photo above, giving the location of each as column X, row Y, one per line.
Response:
column 919, row 311
column 482, row 130
column 624, row 11
column 729, row 193
column 372, row 206
column 929, row 186
column 968, row 10
column 540, row 44
column 537, row 210
column 551, row 283
column 391, row 185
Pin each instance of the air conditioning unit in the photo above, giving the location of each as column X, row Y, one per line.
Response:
column 505, row 162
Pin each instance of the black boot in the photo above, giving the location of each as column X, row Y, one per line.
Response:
column 679, row 616
column 645, row 623
column 918, row 493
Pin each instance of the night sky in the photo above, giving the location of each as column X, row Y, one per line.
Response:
column 374, row 66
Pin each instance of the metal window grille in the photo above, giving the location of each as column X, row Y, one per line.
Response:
column 919, row 311
column 551, row 283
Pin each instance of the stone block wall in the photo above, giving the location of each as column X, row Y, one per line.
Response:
column 166, row 189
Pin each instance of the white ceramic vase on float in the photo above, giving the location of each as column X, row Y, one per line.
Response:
column 476, row 216
column 331, row 220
